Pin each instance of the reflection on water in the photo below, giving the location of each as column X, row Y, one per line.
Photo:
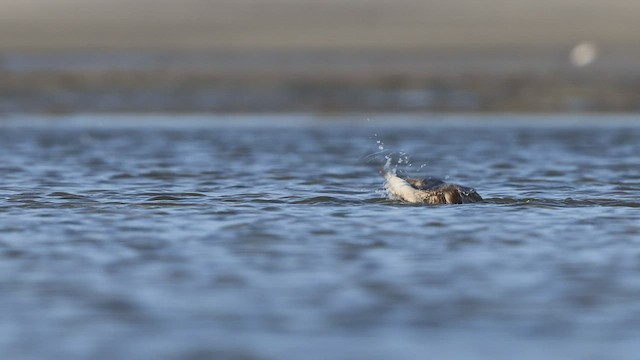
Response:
column 211, row 239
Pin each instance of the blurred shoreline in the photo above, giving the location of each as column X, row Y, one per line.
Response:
column 496, row 80
column 66, row 56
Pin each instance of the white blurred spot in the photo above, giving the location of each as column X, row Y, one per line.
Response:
column 583, row 54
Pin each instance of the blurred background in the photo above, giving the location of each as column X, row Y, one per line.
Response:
column 61, row 56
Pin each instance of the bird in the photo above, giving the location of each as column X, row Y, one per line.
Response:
column 427, row 191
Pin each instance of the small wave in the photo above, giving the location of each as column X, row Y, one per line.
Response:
column 154, row 193
column 164, row 198
column 25, row 197
column 69, row 196
column 172, row 199
column 331, row 200
column 166, row 203
column 191, row 194
column 568, row 202
column 166, row 175
column 10, row 169
column 318, row 200
column 153, row 196
column 160, row 175
column 65, row 195
column 120, row 176
column 268, row 201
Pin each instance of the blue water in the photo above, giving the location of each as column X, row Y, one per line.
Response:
column 270, row 237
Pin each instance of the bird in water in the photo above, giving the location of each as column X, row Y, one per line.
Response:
column 427, row 191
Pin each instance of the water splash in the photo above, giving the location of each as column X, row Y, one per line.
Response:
column 374, row 156
column 379, row 142
column 393, row 161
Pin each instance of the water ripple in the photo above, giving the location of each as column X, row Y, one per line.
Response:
column 200, row 241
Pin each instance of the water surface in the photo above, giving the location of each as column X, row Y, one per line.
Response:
column 269, row 237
